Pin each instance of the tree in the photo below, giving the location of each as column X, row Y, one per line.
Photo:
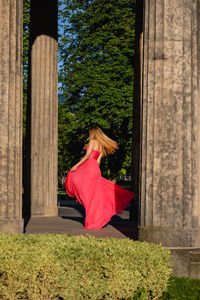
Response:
column 96, row 50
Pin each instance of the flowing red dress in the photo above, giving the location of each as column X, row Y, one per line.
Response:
column 100, row 197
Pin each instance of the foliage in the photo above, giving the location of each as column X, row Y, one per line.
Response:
column 58, row 266
column 26, row 20
column 96, row 51
column 182, row 289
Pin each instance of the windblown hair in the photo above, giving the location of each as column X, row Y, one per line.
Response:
column 109, row 146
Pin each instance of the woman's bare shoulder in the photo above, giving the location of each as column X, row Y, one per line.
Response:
column 91, row 142
column 97, row 146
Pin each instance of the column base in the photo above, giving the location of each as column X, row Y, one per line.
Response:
column 12, row 226
column 185, row 261
column 170, row 237
column 51, row 211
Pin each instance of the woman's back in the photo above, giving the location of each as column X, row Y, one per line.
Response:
column 97, row 146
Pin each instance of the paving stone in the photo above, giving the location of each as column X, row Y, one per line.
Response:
column 70, row 220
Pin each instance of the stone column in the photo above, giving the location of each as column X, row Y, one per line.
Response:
column 44, row 100
column 11, row 12
column 170, row 163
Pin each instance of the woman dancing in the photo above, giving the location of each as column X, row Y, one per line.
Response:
column 100, row 197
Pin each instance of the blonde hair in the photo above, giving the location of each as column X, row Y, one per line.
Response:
column 109, row 146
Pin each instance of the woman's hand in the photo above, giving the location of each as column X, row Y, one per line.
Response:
column 73, row 169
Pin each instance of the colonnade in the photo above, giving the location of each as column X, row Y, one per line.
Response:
column 169, row 136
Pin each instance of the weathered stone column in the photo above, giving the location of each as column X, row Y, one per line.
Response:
column 11, row 12
column 170, row 163
column 44, row 100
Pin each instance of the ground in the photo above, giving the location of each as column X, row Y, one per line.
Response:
column 70, row 220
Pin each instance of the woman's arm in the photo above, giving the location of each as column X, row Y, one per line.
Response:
column 85, row 157
column 99, row 158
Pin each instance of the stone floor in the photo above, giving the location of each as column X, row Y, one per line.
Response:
column 70, row 220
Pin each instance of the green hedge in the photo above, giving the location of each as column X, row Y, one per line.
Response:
column 66, row 267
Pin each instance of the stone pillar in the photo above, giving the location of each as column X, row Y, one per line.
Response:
column 11, row 12
column 44, row 101
column 170, row 162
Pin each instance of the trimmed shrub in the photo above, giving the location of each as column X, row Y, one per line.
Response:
column 55, row 266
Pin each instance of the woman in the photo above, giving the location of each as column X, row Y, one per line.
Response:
column 100, row 197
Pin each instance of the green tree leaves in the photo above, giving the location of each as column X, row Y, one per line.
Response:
column 96, row 50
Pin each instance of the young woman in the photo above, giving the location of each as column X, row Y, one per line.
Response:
column 100, row 197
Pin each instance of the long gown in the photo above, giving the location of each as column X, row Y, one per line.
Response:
column 100, row 197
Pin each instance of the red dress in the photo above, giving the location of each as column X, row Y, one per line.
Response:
column 100, row 197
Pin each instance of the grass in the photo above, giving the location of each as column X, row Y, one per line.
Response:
column 182, row 289
column 61, row 192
